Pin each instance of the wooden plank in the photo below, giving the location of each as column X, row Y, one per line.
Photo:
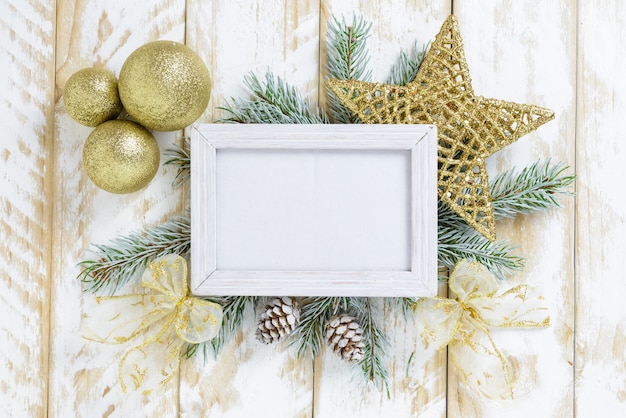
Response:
column 27, row 97
column 601, row 219
column 417, row 376
column 235, row 37
column 83, row 374
column 524, row 51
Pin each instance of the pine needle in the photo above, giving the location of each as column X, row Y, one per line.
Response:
column 125, row 258
column 179, row 157
column 404, row 304
column 405, row 69
column 309, row 335
column 535, row 188
column 234, row 309
column 373, row 362
column 273, row 101
column 455, row 244
column 346, row 59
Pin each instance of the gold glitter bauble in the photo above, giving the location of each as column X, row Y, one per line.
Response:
column 121, row 156
column 470, row 128
column 91, row 96
column 165, row 86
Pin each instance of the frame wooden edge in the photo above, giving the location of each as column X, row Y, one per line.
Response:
column 377, row 284
column 225, row 133
column 203, row 227
column 420, row 281
column 424, row 215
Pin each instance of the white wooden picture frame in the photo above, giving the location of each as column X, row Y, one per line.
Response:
column 314, row 210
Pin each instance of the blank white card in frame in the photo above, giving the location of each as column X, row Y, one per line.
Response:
column 333, row 209
column 314, row 210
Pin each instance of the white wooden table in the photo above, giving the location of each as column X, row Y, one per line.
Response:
column 564, row 54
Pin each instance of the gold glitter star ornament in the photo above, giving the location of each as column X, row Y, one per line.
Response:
column 470, row 127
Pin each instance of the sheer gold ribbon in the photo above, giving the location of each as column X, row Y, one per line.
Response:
column 165, row 318
column 464, row 323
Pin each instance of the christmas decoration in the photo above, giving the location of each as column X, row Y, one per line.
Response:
column 165, row 318
column 91, row 96
column 121, row 156
column 345, row 337
column 280, row 317
column 513, row 193
column 470, row 127
column 164, row 86
column 464, row 323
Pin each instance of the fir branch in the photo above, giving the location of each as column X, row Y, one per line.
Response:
column 346, row 55
column 535, row 188
column 373, row 361
column 273, row 102
column 126, row 257
column 191, row 350
column 234, row 309
column 309, row 335
column 180, row 158
column 404, row 304
column 405, row 69
column 346, row 59
column 457, row 243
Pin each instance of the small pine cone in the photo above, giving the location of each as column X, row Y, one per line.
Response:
column 345, row 336
column 280, row 318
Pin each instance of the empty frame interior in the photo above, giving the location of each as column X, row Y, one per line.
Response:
column 305, row 210
column 313, row 210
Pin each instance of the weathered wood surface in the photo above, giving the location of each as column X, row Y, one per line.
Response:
column 600, row 332
column 83, row 374
column 521, row 52
column 563, row 54
column 26, row 172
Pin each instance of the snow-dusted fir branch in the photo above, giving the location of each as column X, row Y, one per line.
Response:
column 455, row 244
column 234, row 309
column 347, row 58
column 125, row 258
column 273, row 101
column 536, row 187
column 346, row 54
column 457, row 240
column 405, row 69
column 309, row 335
column 374, row 358
column 514, row 193
column 404, row 304
column 179, row 158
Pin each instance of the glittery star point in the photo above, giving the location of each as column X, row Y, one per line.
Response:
column 470, row 127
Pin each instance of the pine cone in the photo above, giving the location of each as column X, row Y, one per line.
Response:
column 280, row 318
column 345, row 336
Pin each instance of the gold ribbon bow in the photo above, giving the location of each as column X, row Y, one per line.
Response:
column 166, row 317
column 464, row 323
